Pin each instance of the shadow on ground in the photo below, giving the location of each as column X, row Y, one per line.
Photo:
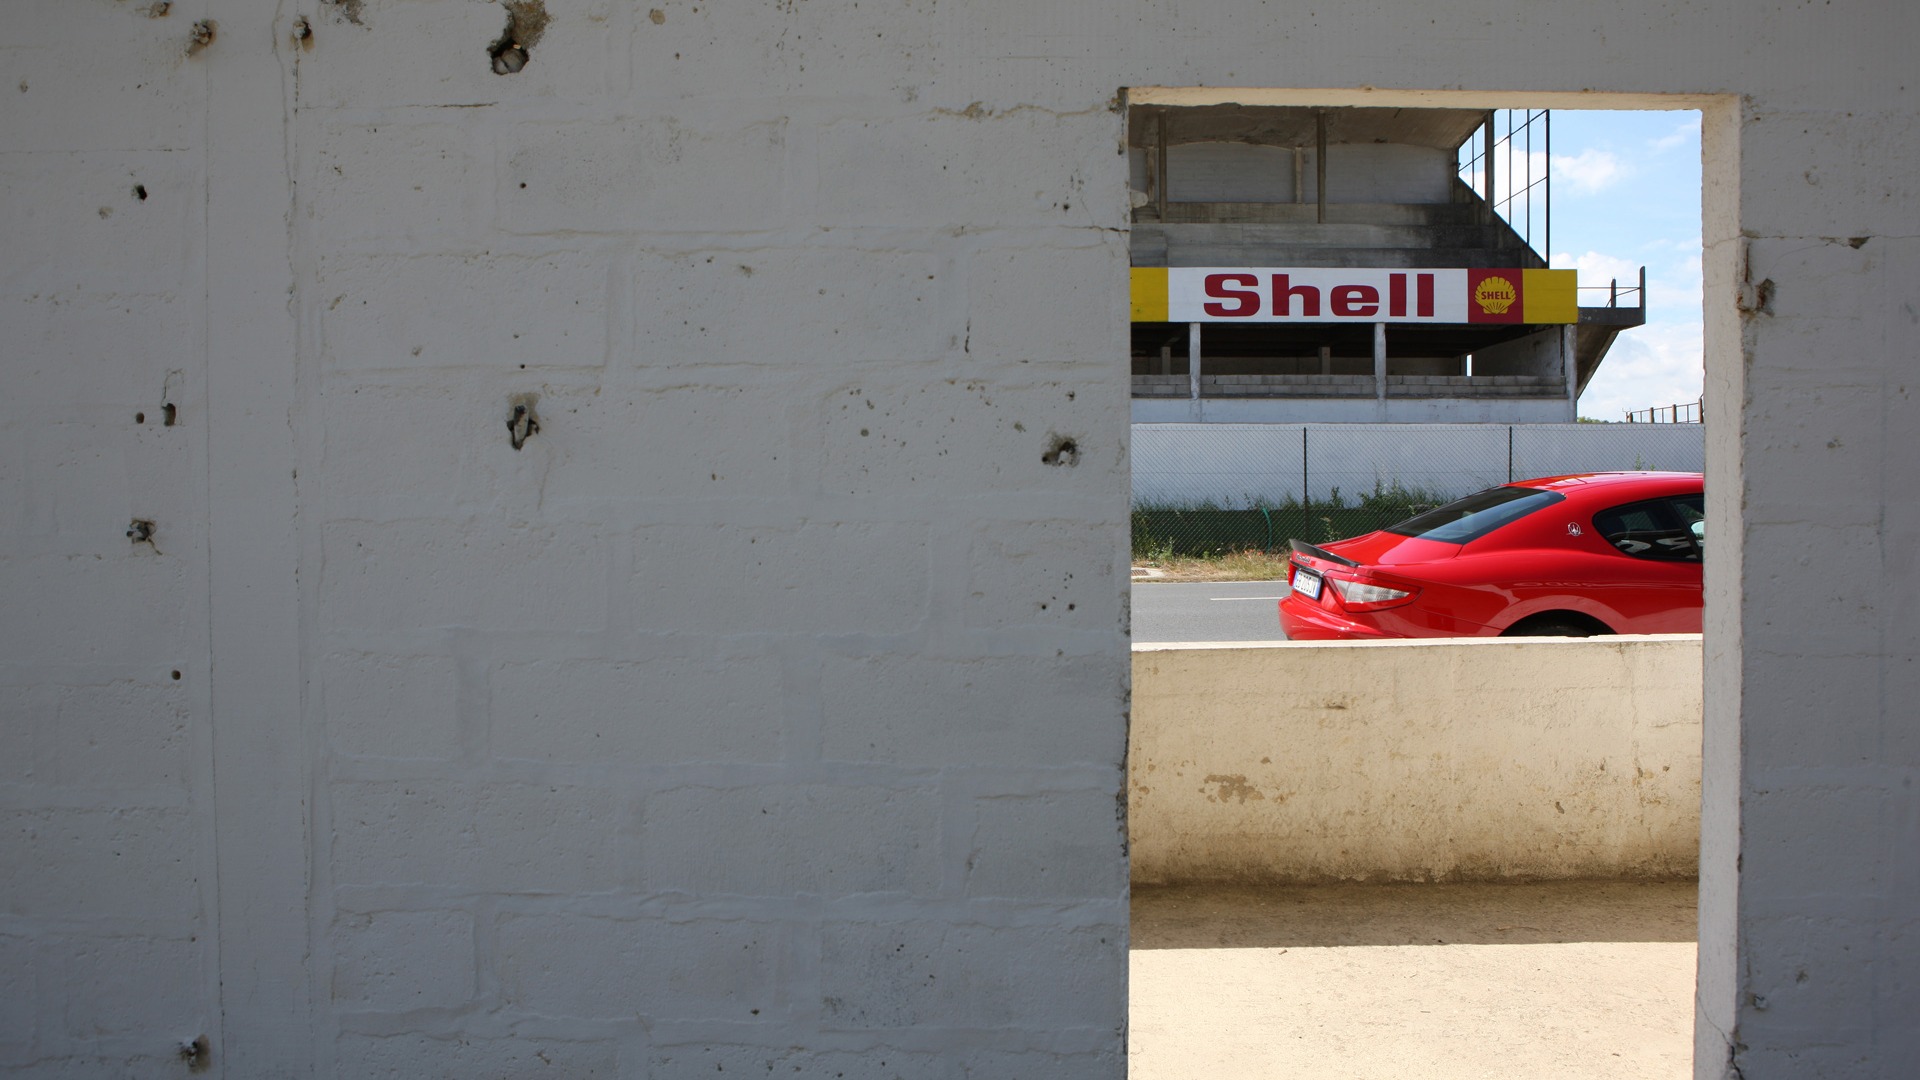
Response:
column 1265, row 917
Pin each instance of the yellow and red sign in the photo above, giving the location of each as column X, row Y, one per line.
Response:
column 1319, row 294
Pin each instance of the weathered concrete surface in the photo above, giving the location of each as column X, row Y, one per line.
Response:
column 708, row 236
column 1454, row 982
column 1415, row 760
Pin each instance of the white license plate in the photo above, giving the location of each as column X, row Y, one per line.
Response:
column 1306, row 583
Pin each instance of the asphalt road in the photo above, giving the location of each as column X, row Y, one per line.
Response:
column 1207, row 610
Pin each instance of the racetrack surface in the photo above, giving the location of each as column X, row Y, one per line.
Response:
column 1207, row 611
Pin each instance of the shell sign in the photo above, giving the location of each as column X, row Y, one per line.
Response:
column 1318, row 294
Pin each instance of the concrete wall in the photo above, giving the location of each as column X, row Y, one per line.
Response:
column 765, row 710
column 1415, row 761
column 1240, row 172
column 1388, row 173
column 1536, row 354
column 1236, row 466
column 1232, row 172
column 108, row 882
column 815, row 297
column 1401, row 410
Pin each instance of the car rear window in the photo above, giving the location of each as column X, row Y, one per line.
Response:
column 1476, row 515
column 1654, row 529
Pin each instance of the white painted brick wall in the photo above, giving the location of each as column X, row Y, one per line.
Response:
column 477, row 835
column 404, row 575
column 878, row 975
column 98, row 863
column 396, row 961
column 464, row 310
column 829, row 840
column 391, row 706
column 586, row 711
column 1030, row 712
column 844, row 304
column 713, row 592
column 607, row 176
column 708, row 969
column 409, row 1056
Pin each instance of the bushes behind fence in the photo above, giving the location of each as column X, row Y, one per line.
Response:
column 1208, row 531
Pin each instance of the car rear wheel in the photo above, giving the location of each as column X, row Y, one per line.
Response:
column 1554, row 625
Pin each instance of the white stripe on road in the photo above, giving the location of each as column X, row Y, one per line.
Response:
column 1246, row 598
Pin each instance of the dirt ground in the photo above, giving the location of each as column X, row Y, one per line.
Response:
column 1563, row 980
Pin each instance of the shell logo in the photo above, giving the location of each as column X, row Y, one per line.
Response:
column 1495, row 295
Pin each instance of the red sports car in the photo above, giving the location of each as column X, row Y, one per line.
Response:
column 1598, row 553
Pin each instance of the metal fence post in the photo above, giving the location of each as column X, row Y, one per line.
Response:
column 1212, row 488
column 1193, row 361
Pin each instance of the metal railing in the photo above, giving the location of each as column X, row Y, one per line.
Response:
column 1514, row 193
column 1684, row 413
column 1632, row 296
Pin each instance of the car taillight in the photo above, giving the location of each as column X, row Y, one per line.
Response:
column 1366, row 596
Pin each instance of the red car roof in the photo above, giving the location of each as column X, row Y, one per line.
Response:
column 1605, row 479
column 1611, row 485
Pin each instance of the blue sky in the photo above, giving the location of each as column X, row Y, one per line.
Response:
column 1626, row 194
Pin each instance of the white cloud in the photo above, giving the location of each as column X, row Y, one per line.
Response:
column 1595, row 267
column 1688, row 246
column 1586, row 173
column 1599, row 274
column 1591, row 170
column 1688, row 131
column 1652, row 366
column 1673, row 288
column 1511, row 173
column 1677, row 296
column 1658, row 364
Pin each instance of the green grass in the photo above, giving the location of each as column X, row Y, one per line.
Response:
column 1165, row 533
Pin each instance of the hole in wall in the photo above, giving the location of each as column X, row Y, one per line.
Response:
column 522, row 421
column 1600, row 172
column 202, row 35
column 197, row 1052
column 526, row 22
column 1062, row 450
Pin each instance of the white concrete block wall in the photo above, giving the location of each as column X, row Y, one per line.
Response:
column 106, row 957
column 658, row 742
column 336, row 278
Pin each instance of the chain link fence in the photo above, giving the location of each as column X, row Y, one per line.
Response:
column 1208, row 489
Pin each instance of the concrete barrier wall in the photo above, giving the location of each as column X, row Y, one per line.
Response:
column 1237, row 465
column 1408, row 761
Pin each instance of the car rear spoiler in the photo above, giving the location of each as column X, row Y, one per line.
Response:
column 1301, row 547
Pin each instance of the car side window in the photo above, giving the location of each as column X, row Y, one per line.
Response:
column 1692, row 510
column 1655, row 529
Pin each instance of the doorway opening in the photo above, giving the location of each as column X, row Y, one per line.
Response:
column 1314, row 343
